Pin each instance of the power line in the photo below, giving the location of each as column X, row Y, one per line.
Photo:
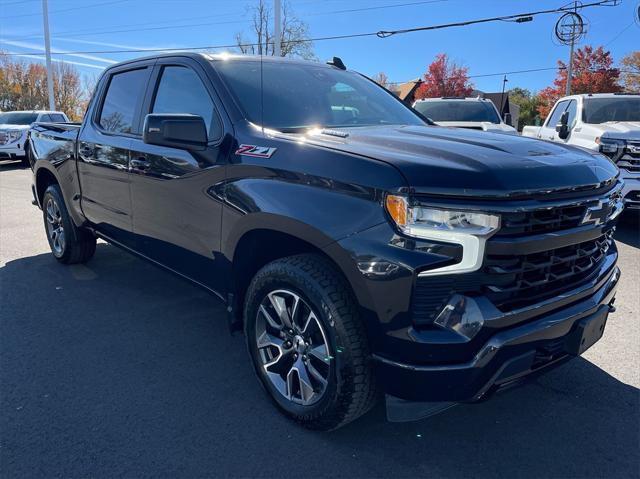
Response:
column 379, row 34
column 68, row 9
column 80, row 33
column 529, row 70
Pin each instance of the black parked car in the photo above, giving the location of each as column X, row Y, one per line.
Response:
column 362, row 249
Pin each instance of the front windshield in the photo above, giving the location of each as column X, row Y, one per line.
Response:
column 17, row 118
column 602, row 110
column 299, row 96
column 458, row 110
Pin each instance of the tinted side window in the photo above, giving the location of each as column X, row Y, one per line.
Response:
column 181, row 91
column 123, row 94
column 554, row 119
column 44, row 117
column 57, row 118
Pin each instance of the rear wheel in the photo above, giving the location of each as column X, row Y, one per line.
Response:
column 69, row 244
column 307, row 342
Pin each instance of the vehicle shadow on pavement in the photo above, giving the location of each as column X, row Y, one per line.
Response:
column 11, row 166
column 116, row 368
column 628, row 230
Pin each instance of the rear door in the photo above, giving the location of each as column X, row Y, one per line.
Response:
column 176, row 214
column 103, row 150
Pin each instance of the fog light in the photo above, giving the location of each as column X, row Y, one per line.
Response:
column 462, row 316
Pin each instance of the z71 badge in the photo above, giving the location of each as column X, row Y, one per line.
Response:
column 257, row 151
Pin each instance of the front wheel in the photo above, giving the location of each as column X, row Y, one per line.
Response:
column 307, row 342
column 69, row 244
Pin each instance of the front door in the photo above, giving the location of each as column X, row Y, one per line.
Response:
column 548, row 130
column 103, row 152
column 176, row 214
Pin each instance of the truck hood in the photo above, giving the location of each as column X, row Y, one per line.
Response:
column 4, row 126
column 466, row 162
column 480, row 125
column 623, row 130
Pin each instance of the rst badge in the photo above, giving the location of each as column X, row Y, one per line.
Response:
column 257, row 151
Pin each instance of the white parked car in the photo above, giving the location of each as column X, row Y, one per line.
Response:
column 604, row 122
column 14, row 126
column 473, row 113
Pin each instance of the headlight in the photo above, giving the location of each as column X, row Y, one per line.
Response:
column 12, row 135
column 467, row 228
column 611, row 147
column 421, row 221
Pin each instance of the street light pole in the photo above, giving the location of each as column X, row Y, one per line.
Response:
column 277, row 28
column 47, row 49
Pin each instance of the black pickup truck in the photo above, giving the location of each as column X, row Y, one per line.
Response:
column 363, row 250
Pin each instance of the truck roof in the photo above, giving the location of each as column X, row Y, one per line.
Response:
column 221, row 56
column 34, row 111
column 600, row 95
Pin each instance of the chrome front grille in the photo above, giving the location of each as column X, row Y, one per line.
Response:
column 630, row 159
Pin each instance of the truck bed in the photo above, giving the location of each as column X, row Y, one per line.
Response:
column 55, row 142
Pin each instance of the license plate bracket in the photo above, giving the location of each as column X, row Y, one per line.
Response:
column 588, row 332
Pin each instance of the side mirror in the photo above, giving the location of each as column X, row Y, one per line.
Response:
column 184, row 131
column 563, row 126
column 508, row 120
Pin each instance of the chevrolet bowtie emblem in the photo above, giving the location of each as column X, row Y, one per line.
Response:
column 597, row 214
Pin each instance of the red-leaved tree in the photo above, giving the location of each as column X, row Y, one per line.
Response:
column 592, row 73
column 444, row 78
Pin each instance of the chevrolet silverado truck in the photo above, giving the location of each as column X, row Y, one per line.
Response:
column 14, row 127
column 459, row 112
column 604, row 122
column 364, row 252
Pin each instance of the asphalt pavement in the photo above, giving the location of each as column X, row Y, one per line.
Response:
column 117, row 368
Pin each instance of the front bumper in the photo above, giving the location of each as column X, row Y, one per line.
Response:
column 631, row 189
column 12, row 151
column 533, row 345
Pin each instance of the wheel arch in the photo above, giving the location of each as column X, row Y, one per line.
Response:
column 43, row 179
column 252, row 248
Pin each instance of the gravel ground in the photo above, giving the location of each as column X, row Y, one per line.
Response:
column 117, row 368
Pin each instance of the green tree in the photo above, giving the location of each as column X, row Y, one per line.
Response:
column 528, row 104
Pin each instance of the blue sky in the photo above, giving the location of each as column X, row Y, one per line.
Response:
column 99, row 25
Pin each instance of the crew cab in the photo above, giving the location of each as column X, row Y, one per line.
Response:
column 361, row 249
column 475, row 113
column 604, row 122
column 14, row 126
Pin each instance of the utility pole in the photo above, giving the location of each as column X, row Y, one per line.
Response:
column 47, row 49
column 277, row 28
column 573, row 41
column 504, row 82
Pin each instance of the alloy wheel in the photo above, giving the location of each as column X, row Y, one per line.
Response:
column 292, row 347
column 55, row 227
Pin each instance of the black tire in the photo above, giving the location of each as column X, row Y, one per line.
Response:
column 70, row 244
column 350, row 390
column 26, row 159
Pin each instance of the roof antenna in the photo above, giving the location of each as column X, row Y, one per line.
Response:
column 337, row 62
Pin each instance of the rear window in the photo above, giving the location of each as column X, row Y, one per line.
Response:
column 57, row 118
column 458, row 110
column 120, row 103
